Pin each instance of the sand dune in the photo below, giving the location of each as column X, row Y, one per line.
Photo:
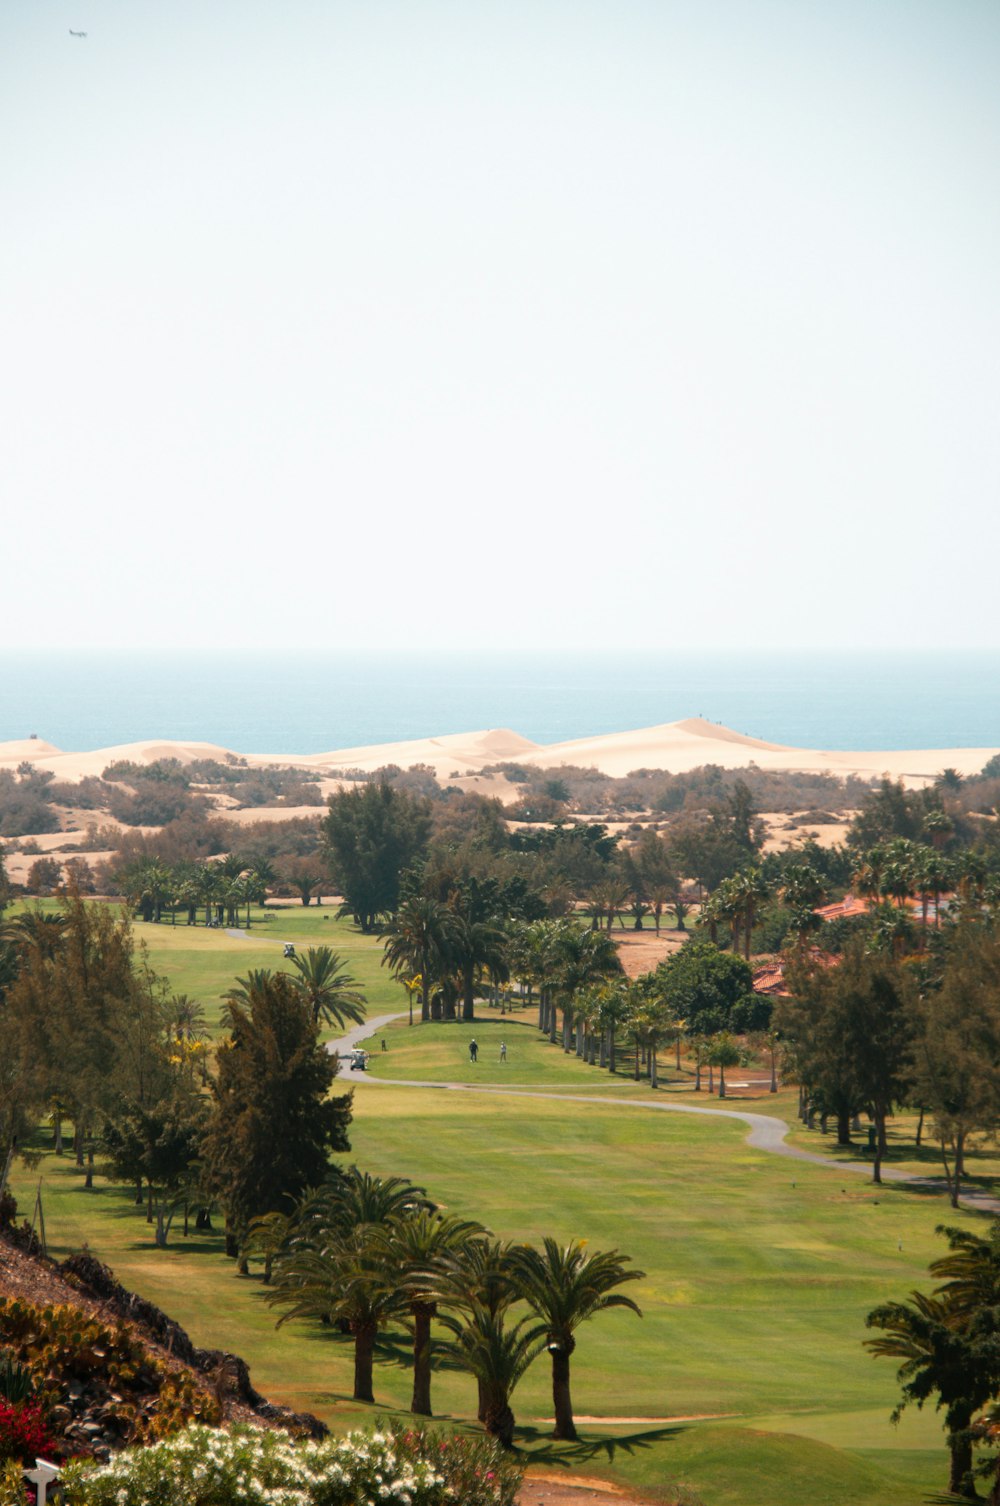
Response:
column 676, row 746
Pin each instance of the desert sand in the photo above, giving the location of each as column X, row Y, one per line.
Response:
column 460, row 757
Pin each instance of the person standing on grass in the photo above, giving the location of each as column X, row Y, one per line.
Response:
column 503, row 1051
column 473, row 1050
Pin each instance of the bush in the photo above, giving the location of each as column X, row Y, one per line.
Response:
column 249, row 1467
column 24, row 1432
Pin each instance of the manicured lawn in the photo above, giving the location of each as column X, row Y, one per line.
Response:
column 757, row 1280
column 759, row 1272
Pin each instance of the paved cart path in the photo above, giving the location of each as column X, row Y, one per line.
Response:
column 767, row 1133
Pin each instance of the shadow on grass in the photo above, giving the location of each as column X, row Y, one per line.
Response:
column 540, row 1448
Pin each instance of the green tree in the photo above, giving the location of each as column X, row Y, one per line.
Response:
column 957, row 1050
column 949, row 1343
column 416, row 1248
column 579, row 958
column 334, row 1262
column 723, row 1052
column 497, row 1354
column 331, row 992
column 711, row 990
column 273, row 1124
column 350, row 1279
column 371, row 835
column 565, row 1286
column 855, row 1025
column 419, row 940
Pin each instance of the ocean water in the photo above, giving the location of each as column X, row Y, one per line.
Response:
column 311, row 703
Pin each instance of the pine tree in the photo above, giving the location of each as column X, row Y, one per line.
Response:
column 273, row 1124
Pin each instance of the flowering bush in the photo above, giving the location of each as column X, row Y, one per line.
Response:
column 24, row 1433
column 249, row 1467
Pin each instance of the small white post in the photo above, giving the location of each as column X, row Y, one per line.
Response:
column 41, row 1477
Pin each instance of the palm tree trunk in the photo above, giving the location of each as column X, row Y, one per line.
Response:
column 562, row 1405
column 499, row 1419
column 960, row 1482
column 364, row 1353
column 421, row 1403
column 611, row 1050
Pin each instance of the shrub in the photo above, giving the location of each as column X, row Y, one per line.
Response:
column 140, row 1396
column 251, row 1467
column 12, row 1487
column 24, row 1432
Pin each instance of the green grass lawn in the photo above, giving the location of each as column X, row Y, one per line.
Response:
column 759, row 1271
column 204, row 963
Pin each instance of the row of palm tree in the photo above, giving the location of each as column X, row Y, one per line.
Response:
column 450, row 951
column 217, row 890
column 367, row 1254
column 900, row 870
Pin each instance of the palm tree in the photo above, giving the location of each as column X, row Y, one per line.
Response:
column 415, row 1248
column 582, row 957
column 724, row 1053
column 35, row 929
column 208, row 888
column 802, row 887
column 333, row 996
column 333, row 1260
column 350, row 1279
column 750, row 890
column 245, row 990
column 419, row 940
column 565, row 1286
column 356, row 1198
column 612, row 1012
column 476, row 945
column 498, row 1356
column 935, row 1356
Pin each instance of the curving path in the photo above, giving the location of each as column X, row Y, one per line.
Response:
column 767, row 1132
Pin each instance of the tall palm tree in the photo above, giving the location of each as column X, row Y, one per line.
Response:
column 419, row 940
column 565, row 1286
column 322, row 978
column 333, row 1261
column 581, row 958
column 349, row 1278
column 476, row 945
column 415, row 1248
column 935, row 1356
column 750, row 890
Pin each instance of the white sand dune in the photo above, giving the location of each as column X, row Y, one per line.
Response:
column 675, row 746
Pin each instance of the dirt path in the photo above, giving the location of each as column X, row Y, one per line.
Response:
column 549, row 1489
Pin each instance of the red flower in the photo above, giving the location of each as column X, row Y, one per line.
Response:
column 24, row 1432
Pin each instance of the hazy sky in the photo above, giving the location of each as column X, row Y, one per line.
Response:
column 487, row 323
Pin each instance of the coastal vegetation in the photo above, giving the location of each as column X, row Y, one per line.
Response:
column 176, row 1050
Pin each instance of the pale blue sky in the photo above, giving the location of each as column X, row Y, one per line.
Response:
column 494, row 324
